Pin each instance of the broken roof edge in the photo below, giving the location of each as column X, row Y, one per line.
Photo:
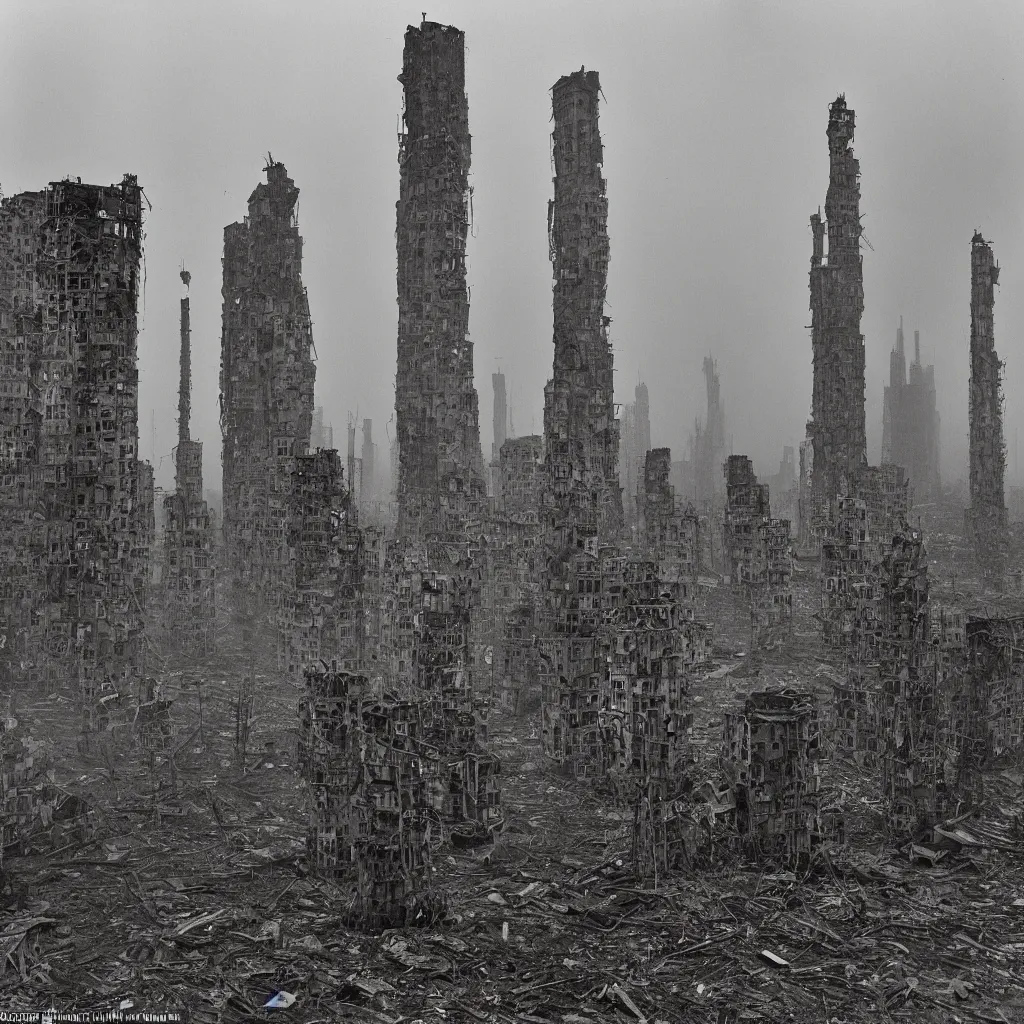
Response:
column 588, row 80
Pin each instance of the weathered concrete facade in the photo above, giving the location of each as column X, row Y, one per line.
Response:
column 440, row 463
column 910, row 421
column 582, row 500
column 74, row 502
column 986, row 517
column 616, row 666
column 669, row 531
column 266, row 383
column 858, row 535
column 520, row 469
column 771, row 748
column 321, row 614
column 757, row 552
column 836, row 428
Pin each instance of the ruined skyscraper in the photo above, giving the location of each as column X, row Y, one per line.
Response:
column 367, row 486
column 266, row 382
column 73, row 504
column 321, row 618
column 582, row 499
column 635, row 443
column 986, row 518
column 836, row 428
column 440, row 462
column 189, row 581
column 709, row 441
column 351, row 473
column 910, row 422
column 757, row 553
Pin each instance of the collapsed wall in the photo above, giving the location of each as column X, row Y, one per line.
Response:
column 836, row 428
column 266, row 386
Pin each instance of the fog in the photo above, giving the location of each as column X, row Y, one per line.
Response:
column 715, row 157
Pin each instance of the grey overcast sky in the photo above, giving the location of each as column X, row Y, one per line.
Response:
column 715, row 156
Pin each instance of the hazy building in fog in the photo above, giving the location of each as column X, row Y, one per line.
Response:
column 709, row 442
column 634, row 444
column 910, row 420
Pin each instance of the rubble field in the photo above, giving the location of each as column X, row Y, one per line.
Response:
column 180, row 881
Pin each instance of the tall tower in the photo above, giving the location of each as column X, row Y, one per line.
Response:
column 440, row 462
column 910, row 421
column 74, row 507
column 266, row 382
column 987, row 450
column 500, row 430
column 836, row 428
column 500, row 418
column 643, row 421
column 366, row 481
column 583, row 501
column 187, row 538
column 711, row 441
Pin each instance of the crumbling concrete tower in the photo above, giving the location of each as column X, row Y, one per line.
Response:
column 757, row 553
column 440, row 461
column 986, row 518
column 583, row 501
column 836, row 428
column 74, row 497
column 187, row 539
column 266, row 383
